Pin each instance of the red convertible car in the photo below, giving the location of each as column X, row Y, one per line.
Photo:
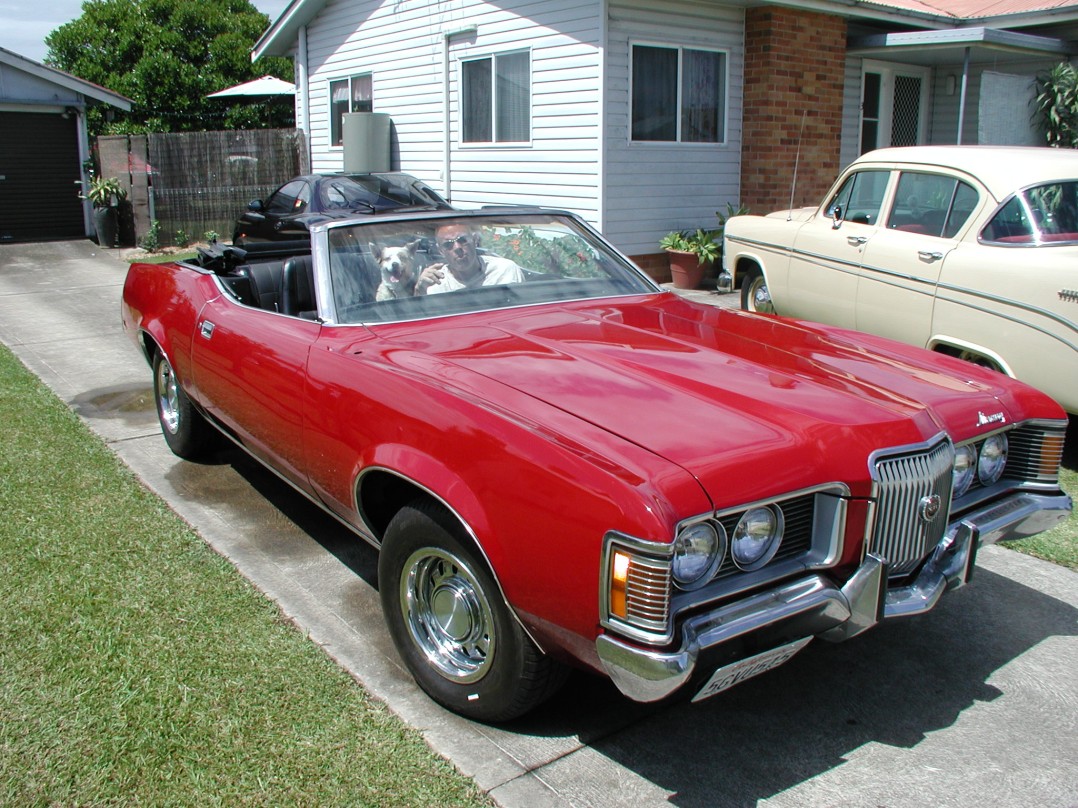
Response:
column 561, row 464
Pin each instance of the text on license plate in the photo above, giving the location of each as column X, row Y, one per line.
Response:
column 730, row 675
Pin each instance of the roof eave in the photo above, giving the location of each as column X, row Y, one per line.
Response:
column 66, row 80
column 280, row 38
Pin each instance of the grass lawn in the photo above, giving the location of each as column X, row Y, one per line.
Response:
column 1060, row 544
column 137, row 667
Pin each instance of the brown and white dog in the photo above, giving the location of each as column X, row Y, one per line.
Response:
column 397, row 265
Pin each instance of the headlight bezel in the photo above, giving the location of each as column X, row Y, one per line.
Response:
column 707, row 562
column 995, row 461
column 765, row 550
column 962, row 477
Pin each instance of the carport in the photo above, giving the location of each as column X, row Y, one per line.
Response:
column 43, row 145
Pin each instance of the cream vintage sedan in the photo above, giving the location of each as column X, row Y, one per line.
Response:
column 968, row 250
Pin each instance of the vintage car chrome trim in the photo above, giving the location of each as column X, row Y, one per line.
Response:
column 816, row 606
column 823, row 550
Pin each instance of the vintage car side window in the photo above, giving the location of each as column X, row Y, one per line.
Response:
column 931, row 204
column 1044, row 214
column 293, row 197
column 860, row 198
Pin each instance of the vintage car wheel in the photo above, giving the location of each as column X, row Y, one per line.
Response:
column 754, row 293
column 186, row 432
column 449, row 623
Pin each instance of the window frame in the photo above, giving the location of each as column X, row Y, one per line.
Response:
column 723, row 103
column 493, row 109
column 336, row 118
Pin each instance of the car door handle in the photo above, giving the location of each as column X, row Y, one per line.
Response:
column 856, row 241
column 206, row 329
column 929, row 256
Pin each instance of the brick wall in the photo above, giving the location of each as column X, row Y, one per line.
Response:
column 794, row 72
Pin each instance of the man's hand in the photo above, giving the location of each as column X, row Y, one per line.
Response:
column 429, row 277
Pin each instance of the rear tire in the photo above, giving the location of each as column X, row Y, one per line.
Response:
column 754, row 293
column 451, row 626
column 186, row 432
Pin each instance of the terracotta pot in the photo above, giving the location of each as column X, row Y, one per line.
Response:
column 686, row 270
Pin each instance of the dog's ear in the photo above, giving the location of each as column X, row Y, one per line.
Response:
column 376, row 251
column 412, row 246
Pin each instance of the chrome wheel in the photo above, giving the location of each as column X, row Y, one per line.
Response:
column 755, row 295
column 448, row 614
column 167, row 397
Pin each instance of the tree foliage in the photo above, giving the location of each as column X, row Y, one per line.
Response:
column 1056, row 105
column 167, row 56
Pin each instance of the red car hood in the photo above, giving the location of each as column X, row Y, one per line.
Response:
column 749, row 405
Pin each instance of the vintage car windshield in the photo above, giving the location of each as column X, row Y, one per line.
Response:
column 512, row 260
column 1043, row 214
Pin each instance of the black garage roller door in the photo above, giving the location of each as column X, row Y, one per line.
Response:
column 39, row 166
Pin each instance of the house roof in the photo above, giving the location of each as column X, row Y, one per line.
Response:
column 280, row 37
column 968, row 10
column 65, row 80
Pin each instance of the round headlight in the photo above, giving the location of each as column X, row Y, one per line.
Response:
column 993, row 459
column 756, row 538
column 698, row 549
column 965, row 465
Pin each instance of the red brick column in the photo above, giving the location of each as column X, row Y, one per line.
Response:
column 794, row 72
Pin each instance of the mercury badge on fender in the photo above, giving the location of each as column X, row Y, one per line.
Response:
column 560, row 464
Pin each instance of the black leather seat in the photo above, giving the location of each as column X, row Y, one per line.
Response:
column 297, row 288
column 265, row 284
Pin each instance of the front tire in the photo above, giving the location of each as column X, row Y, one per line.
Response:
column 754, row 293
column 450, row 624
column 186, row 432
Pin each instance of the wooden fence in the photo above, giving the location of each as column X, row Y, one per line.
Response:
column 194, row 183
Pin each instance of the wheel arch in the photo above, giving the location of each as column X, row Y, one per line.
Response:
column 381, row 492
column 953, row 346
column 744, row 263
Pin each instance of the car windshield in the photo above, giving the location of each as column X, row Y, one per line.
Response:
column 366, row 192
column 407, row 269
column 1043, row 214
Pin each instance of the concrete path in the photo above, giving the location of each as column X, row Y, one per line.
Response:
column 973, row 705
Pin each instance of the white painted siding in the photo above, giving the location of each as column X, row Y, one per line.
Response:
column 653, row 188
column 402, row 45
column 850, row 148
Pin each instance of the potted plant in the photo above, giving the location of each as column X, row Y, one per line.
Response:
column 105, row 194
column 691, row 255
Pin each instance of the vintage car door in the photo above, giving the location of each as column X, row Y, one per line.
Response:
column 827, row 251
column 249, row 369
column 901, row 264
column 1013, row 297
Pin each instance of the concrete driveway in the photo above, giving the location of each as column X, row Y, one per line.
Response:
column 975, row 704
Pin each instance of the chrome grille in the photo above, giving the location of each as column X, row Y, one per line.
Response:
column 905, row 483
column 647, row 593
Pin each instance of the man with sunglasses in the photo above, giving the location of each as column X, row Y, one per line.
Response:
column 464, row 267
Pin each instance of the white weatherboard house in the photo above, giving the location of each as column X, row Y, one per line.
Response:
column 646, row 117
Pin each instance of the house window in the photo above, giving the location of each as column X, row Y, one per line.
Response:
column 348, row 95
column 678, row 94
column 496, row 99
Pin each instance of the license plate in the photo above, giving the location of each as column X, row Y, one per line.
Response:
column 730, row 675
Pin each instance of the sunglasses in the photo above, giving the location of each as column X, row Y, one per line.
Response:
column 462, row 240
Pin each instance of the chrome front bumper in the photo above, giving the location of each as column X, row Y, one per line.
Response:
column 814, row 606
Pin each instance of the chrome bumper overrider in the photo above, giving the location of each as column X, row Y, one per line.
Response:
column 813, row 605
